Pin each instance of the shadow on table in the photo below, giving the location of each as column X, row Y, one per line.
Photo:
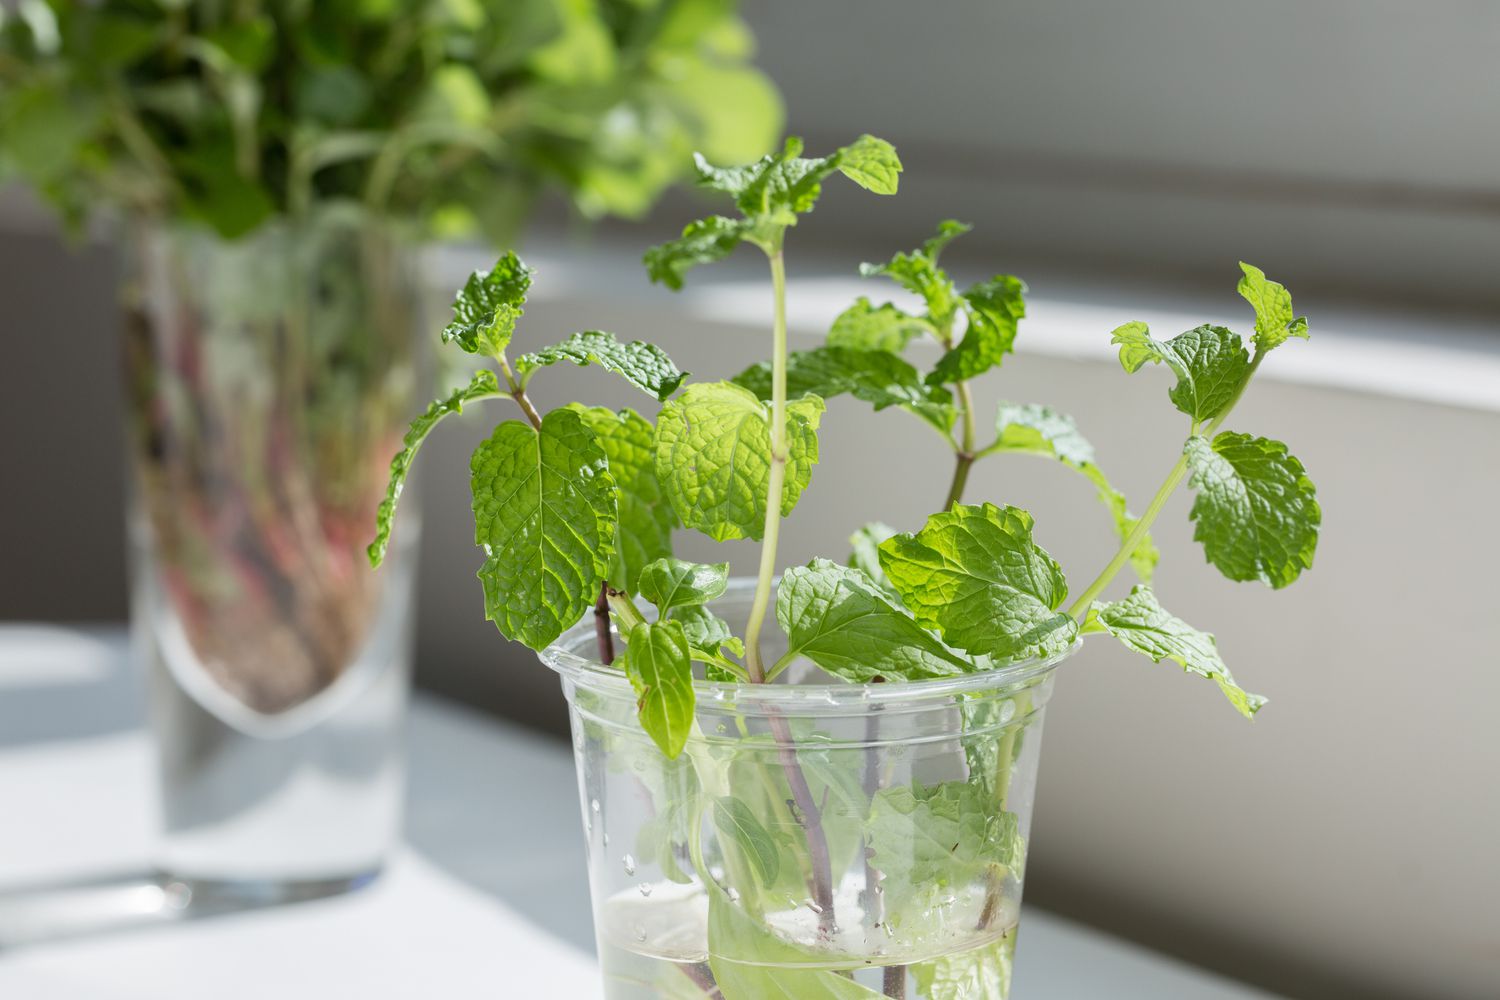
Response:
column 59, row 684
column 496, row 806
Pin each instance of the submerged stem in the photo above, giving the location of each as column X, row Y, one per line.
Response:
column 776, row 486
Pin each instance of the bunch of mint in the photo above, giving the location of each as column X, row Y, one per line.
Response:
column 574, row 510
column 450, row 114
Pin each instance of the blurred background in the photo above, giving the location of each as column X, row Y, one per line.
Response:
column 1122, row 159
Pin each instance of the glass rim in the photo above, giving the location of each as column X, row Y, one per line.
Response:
column 836, row 696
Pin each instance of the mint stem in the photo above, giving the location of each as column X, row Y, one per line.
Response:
column 776, row 486
column 966, row 454
column 1080, row 608
column 820, row 881
column 518, row 393
column 604, row 639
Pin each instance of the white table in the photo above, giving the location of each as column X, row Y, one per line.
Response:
column 480, row 901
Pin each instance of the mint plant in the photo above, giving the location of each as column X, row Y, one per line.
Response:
column 575, row 509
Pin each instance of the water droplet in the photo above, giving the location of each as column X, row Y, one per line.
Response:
column 947, row 900
column 629, row 864
column 640, row 933
column 733, row 894
column 812, row 906
column 606, row 840
column 645, row 888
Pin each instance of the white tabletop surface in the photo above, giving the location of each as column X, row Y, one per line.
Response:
column 481, row 901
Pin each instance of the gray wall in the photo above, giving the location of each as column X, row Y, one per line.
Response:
column 1354, row 142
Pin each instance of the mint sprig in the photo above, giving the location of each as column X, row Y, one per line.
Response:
column 575, row 510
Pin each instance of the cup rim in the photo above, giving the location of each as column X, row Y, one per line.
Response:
column 837, row 696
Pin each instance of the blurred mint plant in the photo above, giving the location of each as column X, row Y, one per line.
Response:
column 452, row 114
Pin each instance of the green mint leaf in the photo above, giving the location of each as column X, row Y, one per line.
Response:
column 486, row 308
column 675, row 583
column 643, row 365
column 880, row 378
column 1256, row 512
column 1274, row 321
column 770, row 193
column 919, row 274
column 871, row 163
column 975, row 576
column 948, row 231
column 483, row 385
column 1146, row 627
column 738, row 825
column 836, row 617
column 864, row 553
column 661, row 671
column 994, row 309
column 865, row 327
column 932, row 841
column 702, row 242
column 713, row 457
column 646, row 519
column 1031, row 429
column 544, row 514
column 966, row 975
column 751, row 962
column 1210, row 363
column 708, row 632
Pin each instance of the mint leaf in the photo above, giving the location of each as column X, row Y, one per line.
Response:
column 708, row 632
column 645, row 517
column 969, row 975
column 674, row 583
column 1210, row 363
column 871, row 163
column 786, row 182
column 975, row 576
column 1031, row 429
column 1274, row 320
column 713, row 457
column 994, row 309
column 643, row 365
column 948, row 231
column 750, row 962
column 661, row 672
column 703, row 241
column 483, row 385
column 865, row 327
column 919, row 274
column 880, row 378
column 932, row 841
column 1256, row 513
column 738, row 825
column 1146, row 627
column 544, row 514
column 486, row 308
column 770, row 193
column 864, row 553
column 836, row 617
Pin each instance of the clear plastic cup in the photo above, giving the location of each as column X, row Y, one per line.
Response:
column 816, row 838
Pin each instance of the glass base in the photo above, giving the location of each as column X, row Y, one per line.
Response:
column 56, row 912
